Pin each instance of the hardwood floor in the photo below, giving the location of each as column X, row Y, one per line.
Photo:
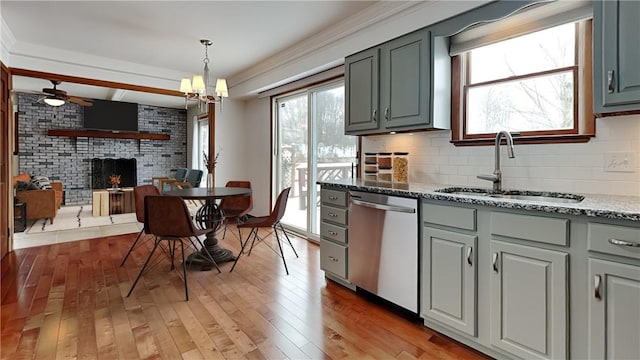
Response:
column 69, row 300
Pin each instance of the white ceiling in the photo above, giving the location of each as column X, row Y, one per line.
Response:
column 161, row 37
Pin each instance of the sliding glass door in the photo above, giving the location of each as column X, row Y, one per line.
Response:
column 310, row 145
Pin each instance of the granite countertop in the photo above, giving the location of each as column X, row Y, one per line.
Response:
column 599, row 206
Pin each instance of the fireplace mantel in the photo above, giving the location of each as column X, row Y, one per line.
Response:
column 106, row 134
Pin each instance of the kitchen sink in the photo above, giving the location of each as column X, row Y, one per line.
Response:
column 524, row 195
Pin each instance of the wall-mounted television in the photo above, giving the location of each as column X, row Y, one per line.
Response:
column 111, row 116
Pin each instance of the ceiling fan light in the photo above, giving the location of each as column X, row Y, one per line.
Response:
column 221, row 88
column 54, row 101
column 185, row 86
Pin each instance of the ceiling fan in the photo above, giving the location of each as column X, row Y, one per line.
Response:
column 56, row 97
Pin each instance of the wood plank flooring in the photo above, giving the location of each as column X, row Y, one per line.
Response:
column 68, row 301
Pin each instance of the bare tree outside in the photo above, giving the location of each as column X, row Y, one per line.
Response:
column 523, row 84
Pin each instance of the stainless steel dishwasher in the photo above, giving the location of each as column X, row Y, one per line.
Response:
column 383, row 247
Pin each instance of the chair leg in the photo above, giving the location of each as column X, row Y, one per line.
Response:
column 281, row 253
column 288, row 240
column 132, row 247
column 155, row 245
column 253, row 242
column 184, row 271
column 239, row 232
column 172, row 252
column 242, row 249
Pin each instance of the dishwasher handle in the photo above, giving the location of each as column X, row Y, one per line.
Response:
column 385, row 207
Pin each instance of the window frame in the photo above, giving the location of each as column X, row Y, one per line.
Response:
column 584, row 118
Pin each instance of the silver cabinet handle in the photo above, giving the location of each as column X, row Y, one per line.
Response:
column 331, row 197
column 373, row 116
column 332, row 214
column 495, row 262
column 610, row 82
column 624, row 243
column 331, row 232
column 469, row 252
column 333, row 258
column 597, row 281
column 386, row 114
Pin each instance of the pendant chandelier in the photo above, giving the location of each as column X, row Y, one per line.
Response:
column 196, row 89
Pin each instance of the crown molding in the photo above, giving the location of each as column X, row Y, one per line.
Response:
column 43, row 58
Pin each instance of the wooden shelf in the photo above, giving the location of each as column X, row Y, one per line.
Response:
column 106, row 134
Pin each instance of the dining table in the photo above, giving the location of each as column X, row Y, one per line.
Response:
column 210, row 216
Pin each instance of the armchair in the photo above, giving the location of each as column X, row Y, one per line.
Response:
column 42, row 203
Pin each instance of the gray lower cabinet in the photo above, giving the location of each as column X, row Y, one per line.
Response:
column 333, row 233
column 449, row 278
column 617, row 55
column 529, row 301
column 614, row 291
column 614, row 310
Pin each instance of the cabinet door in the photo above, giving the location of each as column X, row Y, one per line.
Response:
column 405, row 67
column 361, row 91
column 614, row 310
column 620, row 50
column 529, row 301
column 449, row 278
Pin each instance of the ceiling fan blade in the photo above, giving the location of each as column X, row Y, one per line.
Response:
column 80, row 101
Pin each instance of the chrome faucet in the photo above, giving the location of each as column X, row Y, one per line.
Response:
column 496, row 177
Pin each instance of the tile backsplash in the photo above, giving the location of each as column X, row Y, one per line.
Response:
column 576, row 168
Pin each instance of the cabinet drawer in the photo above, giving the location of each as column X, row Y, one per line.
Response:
column 457, row 217
column 333, row 215
column 614, row 239
column 333, row 258
column 334, row 197
column 333, row 232
column 535, row 228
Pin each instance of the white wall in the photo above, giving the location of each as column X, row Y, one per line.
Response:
column 549, row 167
column 243, row 138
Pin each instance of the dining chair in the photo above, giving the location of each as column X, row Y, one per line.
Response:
column 139, row 193
column 236, row 208
column 273, row 221
column 167, row 218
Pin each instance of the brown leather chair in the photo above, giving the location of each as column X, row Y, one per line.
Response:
column 167, row 218
column 273, row 221
column 139, row 193
column 236, row 208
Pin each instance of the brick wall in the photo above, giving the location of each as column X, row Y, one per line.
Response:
column 69, row 159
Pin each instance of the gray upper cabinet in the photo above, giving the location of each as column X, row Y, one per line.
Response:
column 617, row 55
column 361, row 85
column 390, row 87
column 404, row 81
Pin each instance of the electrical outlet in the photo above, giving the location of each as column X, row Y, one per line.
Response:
column 619, row 162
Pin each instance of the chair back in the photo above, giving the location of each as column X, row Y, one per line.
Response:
column 281, row 205
column 194, row 176
column 237, row 205
column 139, row 193
column 167, row 216
column 181, row 174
